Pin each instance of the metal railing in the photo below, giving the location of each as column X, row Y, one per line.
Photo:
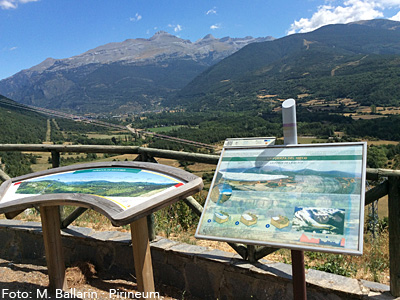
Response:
column 390, row 186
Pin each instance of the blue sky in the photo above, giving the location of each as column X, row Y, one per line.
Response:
column 113, row 176
column 33, row 30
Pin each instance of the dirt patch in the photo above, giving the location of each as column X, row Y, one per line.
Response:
column 30, row 279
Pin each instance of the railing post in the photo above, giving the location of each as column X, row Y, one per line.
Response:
column 55, row 163
column 394, row 234
column 55, row 159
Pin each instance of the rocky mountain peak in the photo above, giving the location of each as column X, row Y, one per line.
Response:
column 162, row 35
column 209, row 37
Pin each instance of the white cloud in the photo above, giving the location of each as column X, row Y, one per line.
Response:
column 349, row 11
column 136, row 18
column 176, row 28
column 12, row 4
column 396, row 17
column 215, row 26
column 212, row 11
column 13, row 48
column 7, row 4
column 388, row 3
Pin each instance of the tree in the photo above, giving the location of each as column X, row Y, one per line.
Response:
column 376, row 157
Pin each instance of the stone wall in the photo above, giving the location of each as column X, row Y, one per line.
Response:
column 202, row 272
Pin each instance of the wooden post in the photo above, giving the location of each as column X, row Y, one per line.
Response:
column 394, row 235
column 298, row 275
column 50, row 216
column 55, row 159
column 142, row 257
column 55, row 163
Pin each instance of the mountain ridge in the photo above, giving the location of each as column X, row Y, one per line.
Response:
column 132, row 75
column 303, row 64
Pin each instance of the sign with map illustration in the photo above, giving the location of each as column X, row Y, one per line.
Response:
column 303, row 197
column 120, row 190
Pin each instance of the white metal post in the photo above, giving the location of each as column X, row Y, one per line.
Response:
column 290, row 137
column 289, row 121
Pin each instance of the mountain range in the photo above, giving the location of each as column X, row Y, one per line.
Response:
column 133, row 75
column 359, row 61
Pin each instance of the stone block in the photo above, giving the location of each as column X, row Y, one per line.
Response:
column 75, row 231
column 188, row 250
column 334, row 282
column 204, row 278
column 217, row 256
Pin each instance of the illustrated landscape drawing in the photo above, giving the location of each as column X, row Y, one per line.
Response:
column 125, row 186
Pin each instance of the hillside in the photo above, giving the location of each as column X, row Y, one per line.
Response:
column 19, row 125
column 358, row 61
column 130, row 76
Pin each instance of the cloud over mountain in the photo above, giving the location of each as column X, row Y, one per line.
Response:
column 348, row 11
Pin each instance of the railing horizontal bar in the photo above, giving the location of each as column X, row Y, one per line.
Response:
column 372, row 174
column 375, row 174
column 195, row 157
column 377, row 192
column 70, row 148
column 194, row 205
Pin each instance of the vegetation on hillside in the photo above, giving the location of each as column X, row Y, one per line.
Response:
column 20, row 126
column 336, row 61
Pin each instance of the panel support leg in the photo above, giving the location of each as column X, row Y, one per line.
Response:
column 142, row 257
column 50, row 216
column 298, row 275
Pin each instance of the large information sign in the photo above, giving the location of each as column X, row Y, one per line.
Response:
column 304, row 197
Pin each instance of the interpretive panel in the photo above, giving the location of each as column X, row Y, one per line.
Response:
column 121, row 190
column 307, row 197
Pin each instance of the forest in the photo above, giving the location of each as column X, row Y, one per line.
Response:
column 210, row 127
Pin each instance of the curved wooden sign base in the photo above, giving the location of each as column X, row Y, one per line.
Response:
column 125, row 192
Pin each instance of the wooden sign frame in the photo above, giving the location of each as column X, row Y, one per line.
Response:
column 186, row 184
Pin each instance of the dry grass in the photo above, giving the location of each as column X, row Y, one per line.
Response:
column 367, row 117
column 382, row 142
column 266, row 96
